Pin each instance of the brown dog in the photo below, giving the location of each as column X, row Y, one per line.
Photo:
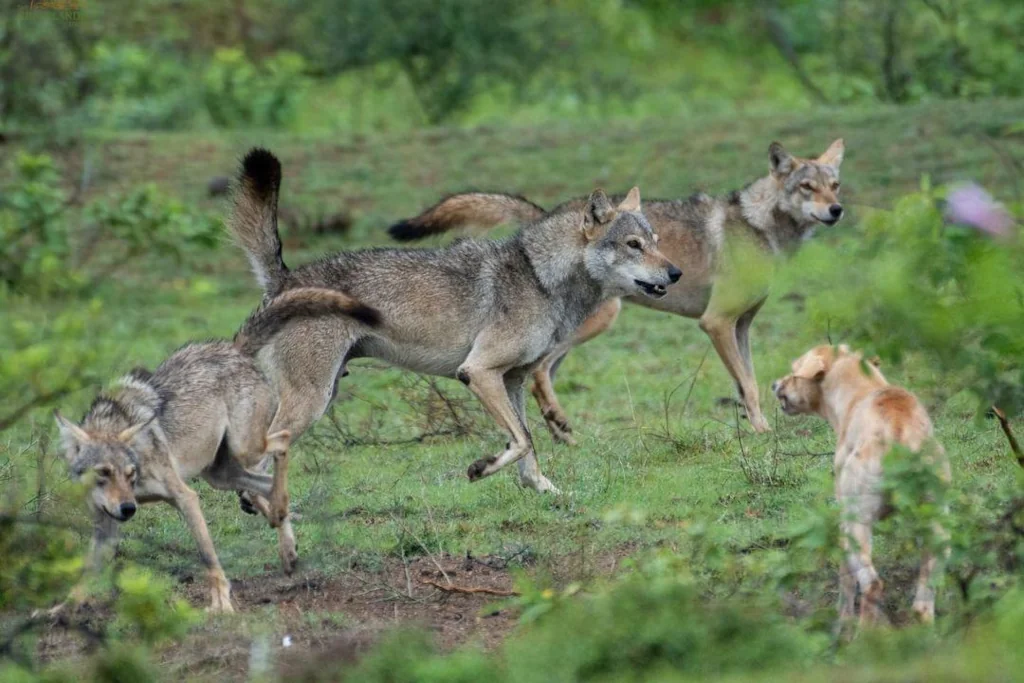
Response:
column 869, row 417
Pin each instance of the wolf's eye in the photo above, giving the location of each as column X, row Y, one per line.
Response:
column 634, row 244
column 807, row 187
column 835, row 185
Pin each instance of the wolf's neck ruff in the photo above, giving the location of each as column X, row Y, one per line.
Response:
column 554, row 248
column 759, row 206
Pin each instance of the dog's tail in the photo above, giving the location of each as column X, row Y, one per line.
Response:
column 296, row 304
column 481, row 210
column 253, row 221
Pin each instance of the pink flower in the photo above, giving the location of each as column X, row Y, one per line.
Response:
column 970, row 205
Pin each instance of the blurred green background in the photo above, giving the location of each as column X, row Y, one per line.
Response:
column 690, row 547
column 364, row 66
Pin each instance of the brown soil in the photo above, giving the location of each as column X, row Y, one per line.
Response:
column 326, row 617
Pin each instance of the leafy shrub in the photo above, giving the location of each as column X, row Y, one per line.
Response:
column 240, row 93
column 913, row 282
column 43, row 251
column 135, row 87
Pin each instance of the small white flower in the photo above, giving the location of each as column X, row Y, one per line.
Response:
column 286, row 641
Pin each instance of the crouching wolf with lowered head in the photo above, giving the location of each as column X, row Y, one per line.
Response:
column 775, row 213
column 485, row 312
column 205, row 412
column 869, row 417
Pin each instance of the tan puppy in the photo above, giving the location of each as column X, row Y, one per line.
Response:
column 869, row 416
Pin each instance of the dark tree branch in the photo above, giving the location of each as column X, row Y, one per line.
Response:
column 781, row 40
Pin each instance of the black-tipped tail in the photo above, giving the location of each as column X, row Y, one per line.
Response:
column 481, row 210
column 262, row 172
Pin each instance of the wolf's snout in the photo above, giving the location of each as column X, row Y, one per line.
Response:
column 775, row 386
column 127, row 511
column 836, row 210
column 674, row 274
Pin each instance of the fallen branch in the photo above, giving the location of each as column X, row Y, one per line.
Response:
column 470, row 591
column 1005, row 424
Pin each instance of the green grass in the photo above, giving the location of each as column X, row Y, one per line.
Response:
column 642, row 397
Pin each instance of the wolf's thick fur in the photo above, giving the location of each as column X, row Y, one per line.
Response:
column 869, row 417
column 204, row 412
column 484, row 312
column 775, row 213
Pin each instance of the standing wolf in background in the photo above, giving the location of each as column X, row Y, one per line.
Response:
column 484, row 312
column 775, row 213
column 205, row 411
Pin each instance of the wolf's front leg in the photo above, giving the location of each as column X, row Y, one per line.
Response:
column 489, row 386
column 186, row 501
column 106, row 534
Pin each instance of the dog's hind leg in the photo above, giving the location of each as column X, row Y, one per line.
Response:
column 860, row 564
column 924, row 598
column 543, row 376
column 722, row 332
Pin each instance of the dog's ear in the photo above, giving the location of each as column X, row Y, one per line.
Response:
column 782, row 162
column 631, row 202
column 599, row 211
column 126, row 435
column 833, row 156
column 71, row 434
column 810, row 367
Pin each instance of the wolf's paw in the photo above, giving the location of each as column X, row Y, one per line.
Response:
column 478, row 470
column 245, row 502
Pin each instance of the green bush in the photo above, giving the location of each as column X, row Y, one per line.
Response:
column 45, row 251
column 135, row 88
column 239, row 93
column 910, row 283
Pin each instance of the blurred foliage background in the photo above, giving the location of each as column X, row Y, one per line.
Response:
column 373, row 65
column 118, row 120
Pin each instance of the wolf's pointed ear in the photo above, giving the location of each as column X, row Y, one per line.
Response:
column 782, row 162
column 598, row 212
column 632, row 201
column 126, row 435
column 70, row 433
column 833, row 156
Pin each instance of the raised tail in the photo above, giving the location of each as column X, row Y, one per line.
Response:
column 253, row 221
column 481, row 210
column 295, row 304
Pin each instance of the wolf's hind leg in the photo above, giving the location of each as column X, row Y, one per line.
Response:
column 722, row 332
column 543, row 376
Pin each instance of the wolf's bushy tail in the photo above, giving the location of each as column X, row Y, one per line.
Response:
column 295, row 304
column 482, row 210
column 253, row 221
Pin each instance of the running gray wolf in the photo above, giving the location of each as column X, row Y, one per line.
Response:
column 869, row 417
column 774, row 213
column 484, row 312
column 204, row 412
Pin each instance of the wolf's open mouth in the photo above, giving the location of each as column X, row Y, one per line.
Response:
column 656, row 291
column 827, row 221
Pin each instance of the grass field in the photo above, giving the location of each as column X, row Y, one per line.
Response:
column 380, row 483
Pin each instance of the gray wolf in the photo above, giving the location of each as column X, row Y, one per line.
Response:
column 484, row 312
column 869, row 417
column 774, row 213
column 204, row 412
